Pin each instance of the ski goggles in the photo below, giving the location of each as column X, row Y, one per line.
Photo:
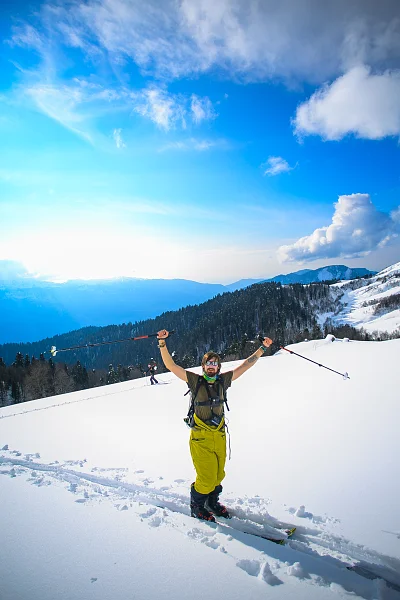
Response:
column 212, row 363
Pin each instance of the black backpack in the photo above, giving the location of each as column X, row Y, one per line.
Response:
column 216, row 401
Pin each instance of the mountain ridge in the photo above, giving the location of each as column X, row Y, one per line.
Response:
column 34, row 309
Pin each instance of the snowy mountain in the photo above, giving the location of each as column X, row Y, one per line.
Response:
column 94, row 487
column 323, row 274
column 308, row 276
column 33, row 309
column 373, row 304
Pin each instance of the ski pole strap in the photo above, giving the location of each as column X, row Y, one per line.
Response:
column 344, row 375
column 229, row 439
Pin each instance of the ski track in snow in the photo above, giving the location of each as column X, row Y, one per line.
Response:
column 78, row 400
column 313, row 555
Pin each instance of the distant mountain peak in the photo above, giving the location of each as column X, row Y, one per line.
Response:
column 305, row 276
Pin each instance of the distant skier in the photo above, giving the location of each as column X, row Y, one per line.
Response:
column 151, row 369
column 207, row 422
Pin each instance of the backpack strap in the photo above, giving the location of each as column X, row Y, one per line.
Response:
column 201, row 381
column 190, row 416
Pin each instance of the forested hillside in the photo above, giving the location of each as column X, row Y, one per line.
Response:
column 283, row 312
column 228, row 324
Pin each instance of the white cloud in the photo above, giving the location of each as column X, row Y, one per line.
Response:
column 396, row 215
column 119, row 142
column 61, row 104
column 30, row 37
column 168, row 110
column 164, row 109
column 250, row 39
column 357, row 228
column 194, row 144
column 202, row 109
column 276, row 165
column 246, row 40
column 358, row 103
column 75, row 104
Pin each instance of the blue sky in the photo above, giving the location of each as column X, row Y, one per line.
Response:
column 206, row 140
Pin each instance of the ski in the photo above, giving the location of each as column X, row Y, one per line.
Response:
column 243, row 527
column 253, row 531
column 289, row 532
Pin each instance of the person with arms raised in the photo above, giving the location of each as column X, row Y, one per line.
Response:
column 207, row 423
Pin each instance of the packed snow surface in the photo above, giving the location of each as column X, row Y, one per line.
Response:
column 94, row 487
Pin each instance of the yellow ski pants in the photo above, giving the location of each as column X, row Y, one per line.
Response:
column 208, row 451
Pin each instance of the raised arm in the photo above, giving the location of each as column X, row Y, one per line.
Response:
column 167, row 358
column 249, row 362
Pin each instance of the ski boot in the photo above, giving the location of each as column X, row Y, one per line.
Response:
column 197, row 506
column 215, row 507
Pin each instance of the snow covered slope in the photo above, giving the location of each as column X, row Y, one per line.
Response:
column 94, row 487
column 371, row 303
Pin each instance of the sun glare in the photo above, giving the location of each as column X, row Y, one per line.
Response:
column 83, row 254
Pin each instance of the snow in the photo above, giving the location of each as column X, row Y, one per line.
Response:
column 384, row 284
column 94, row 486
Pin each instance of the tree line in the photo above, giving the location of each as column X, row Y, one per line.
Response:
column 31, row 378
column 228, row 324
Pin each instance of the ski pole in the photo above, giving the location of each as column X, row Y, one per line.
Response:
column 344, row 375
column 53, row 351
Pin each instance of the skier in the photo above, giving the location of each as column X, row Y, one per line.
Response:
column 152, row 368
column 207, row 436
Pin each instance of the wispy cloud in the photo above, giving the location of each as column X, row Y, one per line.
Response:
column 202, row 109
column 357, row 229
column 396, row 215
column 30, row 37
column 78, row 102
column 275, row 165
column 169, row 111
column 164, row 109
column 193, row 144
column 75, row 104
column 61, row 104
column 119, row 142
column 260, row 40
column 256, row 40
column 360, row 103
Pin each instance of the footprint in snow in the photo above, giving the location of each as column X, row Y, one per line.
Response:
column 147, row 481
column 267, row 575
column 252, row 567
column 149, row 513
column 255, row 569
column 41, row 482
column 211, row 543
column 155, row 522
column 30, row 457
column 296, row 570
column 303, row 514
column 199, row 534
